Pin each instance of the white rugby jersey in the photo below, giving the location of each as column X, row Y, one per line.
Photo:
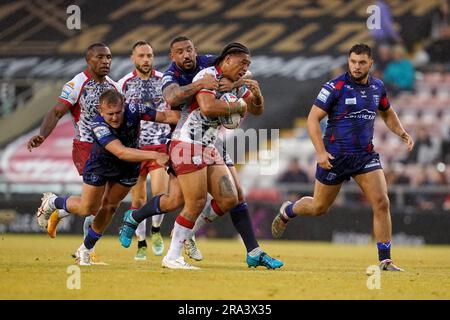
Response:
column 194, row 127
column 147, row 92
column 81, row 94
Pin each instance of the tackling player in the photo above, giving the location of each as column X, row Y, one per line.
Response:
column 112, row 168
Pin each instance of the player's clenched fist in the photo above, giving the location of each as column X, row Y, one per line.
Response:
column 35, row 142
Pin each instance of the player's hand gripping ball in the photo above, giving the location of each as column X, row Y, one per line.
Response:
column 233, row 120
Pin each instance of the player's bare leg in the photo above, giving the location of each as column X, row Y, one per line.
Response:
column 324, row 196
column 373, row 185
column 159, row 204
column 113, row 195
column 194, row 186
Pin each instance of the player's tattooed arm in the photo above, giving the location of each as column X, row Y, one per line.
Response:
column 176, row 95
column 48, row 124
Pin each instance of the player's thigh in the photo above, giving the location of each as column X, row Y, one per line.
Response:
column 194, row 187
column 139, row 190
column 159, row 180
column 114, row 194
column 91, row 198
column 373, row 185
column 324, row 195
column 237, row 183
column 221, row 183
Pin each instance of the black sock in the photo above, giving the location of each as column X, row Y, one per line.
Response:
column 243, row 225
column 151, row 208
column 91, row 238
column 155, row 229
column 142, row 243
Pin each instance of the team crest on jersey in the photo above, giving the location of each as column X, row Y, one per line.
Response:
column 376, row 99
column 101, row 131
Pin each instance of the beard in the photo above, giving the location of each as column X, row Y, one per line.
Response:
column 360, row 78
column 139, row 68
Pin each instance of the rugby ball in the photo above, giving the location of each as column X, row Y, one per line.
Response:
column 232, row 121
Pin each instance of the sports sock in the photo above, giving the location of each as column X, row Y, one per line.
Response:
column 289, row 212
column 87, row 223
column 210, row 212
column 181, row 229
column 157, row 220
column 59, row 203
column 155, row 229
column 91, row 238
column 243, row 225
column 141, row 230
column 142, row 243
column 384, row 250
column 151, row 208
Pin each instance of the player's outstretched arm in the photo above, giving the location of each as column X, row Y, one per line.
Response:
column 135, row 155
column 392, row 121
column 176, row 95
column 315, row 133
column 48, row 124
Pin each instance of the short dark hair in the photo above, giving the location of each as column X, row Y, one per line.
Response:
column 141, row 43
column 361, row 48
column 111, row 96
column 232, row 48
column 179, row 39
column 93, row 46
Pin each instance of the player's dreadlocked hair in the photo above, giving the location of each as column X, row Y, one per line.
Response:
column 231, row 48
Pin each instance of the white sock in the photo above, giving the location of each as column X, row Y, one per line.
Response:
column 179, row 235
column 141, row 230
column 63, row 213
column 157, row 220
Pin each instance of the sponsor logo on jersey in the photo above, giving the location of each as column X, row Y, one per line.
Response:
column 101, row 131
column 362, row 114
column 350, row 101
column 323, row 95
